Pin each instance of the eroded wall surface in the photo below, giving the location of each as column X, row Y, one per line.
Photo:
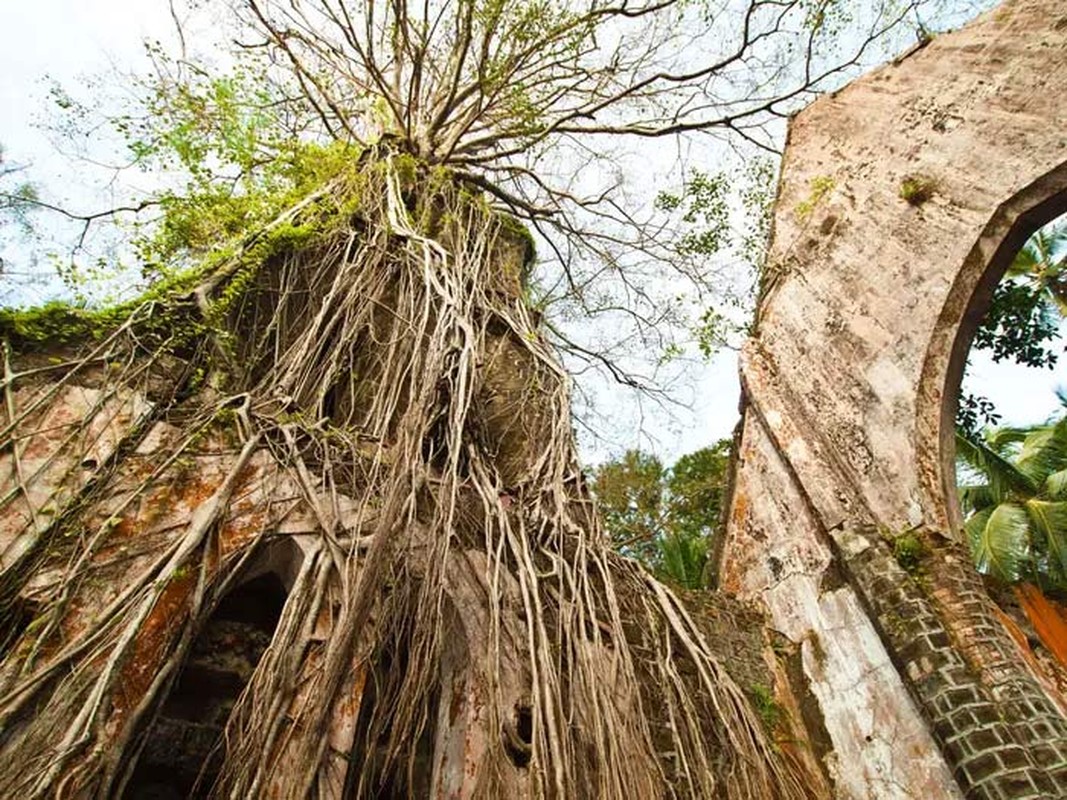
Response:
column 902, row 198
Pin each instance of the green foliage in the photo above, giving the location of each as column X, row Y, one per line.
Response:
column 704, row 212
column 826, row 17
column 233, row 150
column 18, row 200
column 630, row 495
column 757, row 198
column 1015, row 502
column 53, row 321
column 1024, row 317
column 1042, row 264
column 208, row 213
column 514, row 228
column 701, row 215
column 1020, row 325
column 908, row 551
column 713, row 331
column 770, row 712
column 240, row 167
column 665, row 517
column 917, row 189
column 66, row 322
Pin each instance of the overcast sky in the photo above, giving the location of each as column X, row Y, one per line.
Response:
column 67, row 40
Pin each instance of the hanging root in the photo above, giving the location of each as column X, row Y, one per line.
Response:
column 457, row 626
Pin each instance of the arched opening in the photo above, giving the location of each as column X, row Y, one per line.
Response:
column 181, row 754
column 1001, row 429
column 1003, row 245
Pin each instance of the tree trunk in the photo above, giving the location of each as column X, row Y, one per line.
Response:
column 349, row 440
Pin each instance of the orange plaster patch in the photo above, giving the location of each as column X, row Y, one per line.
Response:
column 1048, row 617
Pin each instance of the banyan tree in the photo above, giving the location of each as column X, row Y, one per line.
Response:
column 305, row 519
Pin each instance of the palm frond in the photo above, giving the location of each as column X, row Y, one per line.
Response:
column 1002, row 439
column 684, row 558
column 1055, row 487
column 1044, row 452
column 1049, row 521
column 1040, row 263
column 1025, row 263
column 975, row 497
column 1000, row 541
column 1003, row 476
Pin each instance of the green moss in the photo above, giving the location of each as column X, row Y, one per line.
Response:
column 769, row 710
column 406, row 167
column 908, row 550
column 59, row 322
column 511, row 227
column 917, row 189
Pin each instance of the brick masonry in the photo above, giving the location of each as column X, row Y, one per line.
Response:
column 999, row 731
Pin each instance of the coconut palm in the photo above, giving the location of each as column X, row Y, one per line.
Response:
column 1043, row 264
column 1015, row 502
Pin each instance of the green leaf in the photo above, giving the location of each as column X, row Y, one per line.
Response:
column 975, row 497
column 1003, row 476
column 1056, row 485
column 684, row 558
column 1049, row 520
column 1000, row 541
column 1044, row 452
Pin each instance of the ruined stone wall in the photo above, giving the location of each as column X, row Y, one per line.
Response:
column 902, row 199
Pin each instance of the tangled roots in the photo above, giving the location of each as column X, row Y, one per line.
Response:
column 376, row 396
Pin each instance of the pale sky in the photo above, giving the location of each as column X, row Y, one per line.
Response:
column 1022, row 395
column 63, row 39
column 68, row 40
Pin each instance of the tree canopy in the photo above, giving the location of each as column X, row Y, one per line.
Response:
column 666, row 518
column 543, row 105
column 1023, row 322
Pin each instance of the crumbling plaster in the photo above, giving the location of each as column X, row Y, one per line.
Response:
column 871, row 295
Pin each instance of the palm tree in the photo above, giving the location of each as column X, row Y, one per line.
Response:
column 1015, row 502
column 1043, row 264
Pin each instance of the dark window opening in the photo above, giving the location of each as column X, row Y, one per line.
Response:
column 518, row 737
column 14, row 620
column 181, row 755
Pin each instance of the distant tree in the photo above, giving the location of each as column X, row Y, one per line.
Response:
column 665, row 518
column 1024, row 317
column 17, row 201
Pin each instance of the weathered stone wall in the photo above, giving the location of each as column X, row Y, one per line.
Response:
column 902, row 199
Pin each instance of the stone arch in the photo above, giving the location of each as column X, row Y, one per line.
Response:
column 901, row 200
column 967, row 303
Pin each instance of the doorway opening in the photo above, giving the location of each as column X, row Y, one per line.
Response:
column 182, row 754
